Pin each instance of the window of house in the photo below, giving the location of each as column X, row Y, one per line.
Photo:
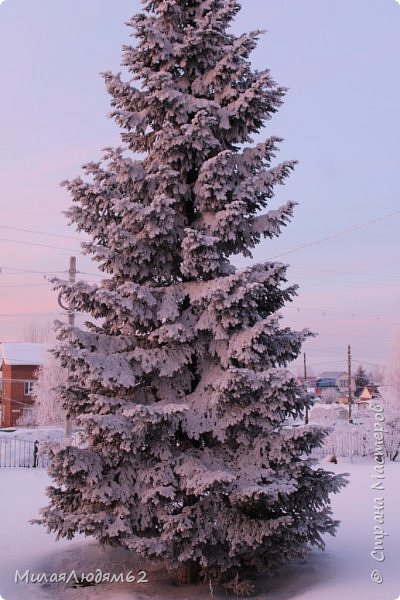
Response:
column 28, row 388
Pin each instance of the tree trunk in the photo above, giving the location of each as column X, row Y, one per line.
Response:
column 187, row 572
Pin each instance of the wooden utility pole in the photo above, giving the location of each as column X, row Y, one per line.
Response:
column 71, row 322
column 72, row 278
column 350, row 398
column 305, row 383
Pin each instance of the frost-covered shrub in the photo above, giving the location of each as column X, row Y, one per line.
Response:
column 330, row 395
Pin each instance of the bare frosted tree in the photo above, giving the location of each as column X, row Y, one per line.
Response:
column 37, row 333
column 48, row 409
column 391, row 400
column 330, row 395
column 392, row 373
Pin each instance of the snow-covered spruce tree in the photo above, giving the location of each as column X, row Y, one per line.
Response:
column 179, row 382
column 361, row 379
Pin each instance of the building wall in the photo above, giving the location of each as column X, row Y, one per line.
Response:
column 326, row 382
column 13, row 397
column 342, row 383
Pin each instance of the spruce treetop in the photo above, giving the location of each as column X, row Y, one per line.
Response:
column 192, row 105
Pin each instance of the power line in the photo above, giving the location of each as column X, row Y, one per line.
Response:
column 33, row 271
column 19, row 270
column 93, row 274
column 336, row 235
column 36, row 244
column 15, row 285
column 20, row 402
column 296, row 249
column 304, row 246
column 30, row 314
column 364, row 362
column 56, row 235
column 328, row 362
column 289, row 311
column 28, row 285
column 18, row 380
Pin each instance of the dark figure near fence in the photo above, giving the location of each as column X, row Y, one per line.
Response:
column 35, row 453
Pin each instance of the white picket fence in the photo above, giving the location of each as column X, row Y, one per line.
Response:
column 346, row 443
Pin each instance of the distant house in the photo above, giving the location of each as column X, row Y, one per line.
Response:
column 373, row 390
column 19, row 363
column 338, row 380
column 365, row 395
column 365, row 398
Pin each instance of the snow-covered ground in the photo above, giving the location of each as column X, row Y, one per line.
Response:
column 32, row 433
column 342, row 572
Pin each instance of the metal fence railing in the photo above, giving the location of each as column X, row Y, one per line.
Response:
column 17, row 452
column 21, row 453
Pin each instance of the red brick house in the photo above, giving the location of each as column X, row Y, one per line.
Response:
column 20, row 362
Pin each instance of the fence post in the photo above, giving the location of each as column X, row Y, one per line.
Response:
column 35, row 454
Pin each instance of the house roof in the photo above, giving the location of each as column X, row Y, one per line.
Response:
column 365, row 394
column 23, row 353
column 331, row 374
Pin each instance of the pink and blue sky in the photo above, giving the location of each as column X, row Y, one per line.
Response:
column 341, row 63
